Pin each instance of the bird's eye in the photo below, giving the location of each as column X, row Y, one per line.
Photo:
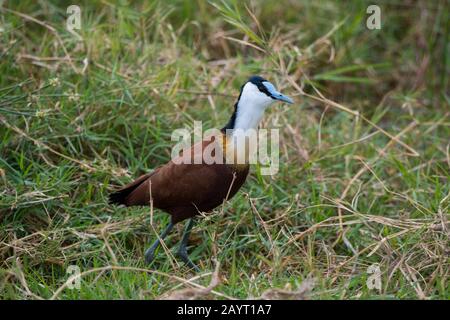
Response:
column 263, row 87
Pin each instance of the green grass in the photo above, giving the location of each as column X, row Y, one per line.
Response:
column 364, row 169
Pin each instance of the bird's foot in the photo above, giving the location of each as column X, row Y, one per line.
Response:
column 182, row 253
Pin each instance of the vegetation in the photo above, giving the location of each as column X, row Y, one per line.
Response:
column 364, row 164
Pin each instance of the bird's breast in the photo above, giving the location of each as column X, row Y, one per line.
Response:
column 238, row 151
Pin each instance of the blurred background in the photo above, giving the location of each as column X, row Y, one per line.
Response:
column 364, row 163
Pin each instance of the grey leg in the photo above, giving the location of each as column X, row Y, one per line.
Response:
column 150, row 253
column 182, row 251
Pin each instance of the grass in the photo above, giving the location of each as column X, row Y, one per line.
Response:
column 364, row 164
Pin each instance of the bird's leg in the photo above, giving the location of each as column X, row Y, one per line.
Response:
column 182, row 251
column 150, row 253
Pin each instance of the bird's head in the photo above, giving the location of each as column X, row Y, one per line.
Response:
column 256, row 95
column 257, row 92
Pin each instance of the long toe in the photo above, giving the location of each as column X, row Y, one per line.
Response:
column 185, row 258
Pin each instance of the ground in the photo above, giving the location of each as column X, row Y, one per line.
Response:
column 362, row 195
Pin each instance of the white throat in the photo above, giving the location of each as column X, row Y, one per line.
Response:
column 248, row 118
column 251, row 107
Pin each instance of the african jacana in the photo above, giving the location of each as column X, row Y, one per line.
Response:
column 185, row 190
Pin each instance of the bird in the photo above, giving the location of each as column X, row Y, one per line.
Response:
column 186, row 190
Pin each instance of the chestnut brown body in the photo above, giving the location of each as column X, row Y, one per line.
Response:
column 184, row 190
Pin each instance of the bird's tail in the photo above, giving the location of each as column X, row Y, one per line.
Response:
column 120, row 196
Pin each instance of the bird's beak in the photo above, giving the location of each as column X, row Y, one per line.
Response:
column 282, row 97
column 275, row 94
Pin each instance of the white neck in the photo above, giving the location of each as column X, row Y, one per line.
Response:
column 248, row 117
